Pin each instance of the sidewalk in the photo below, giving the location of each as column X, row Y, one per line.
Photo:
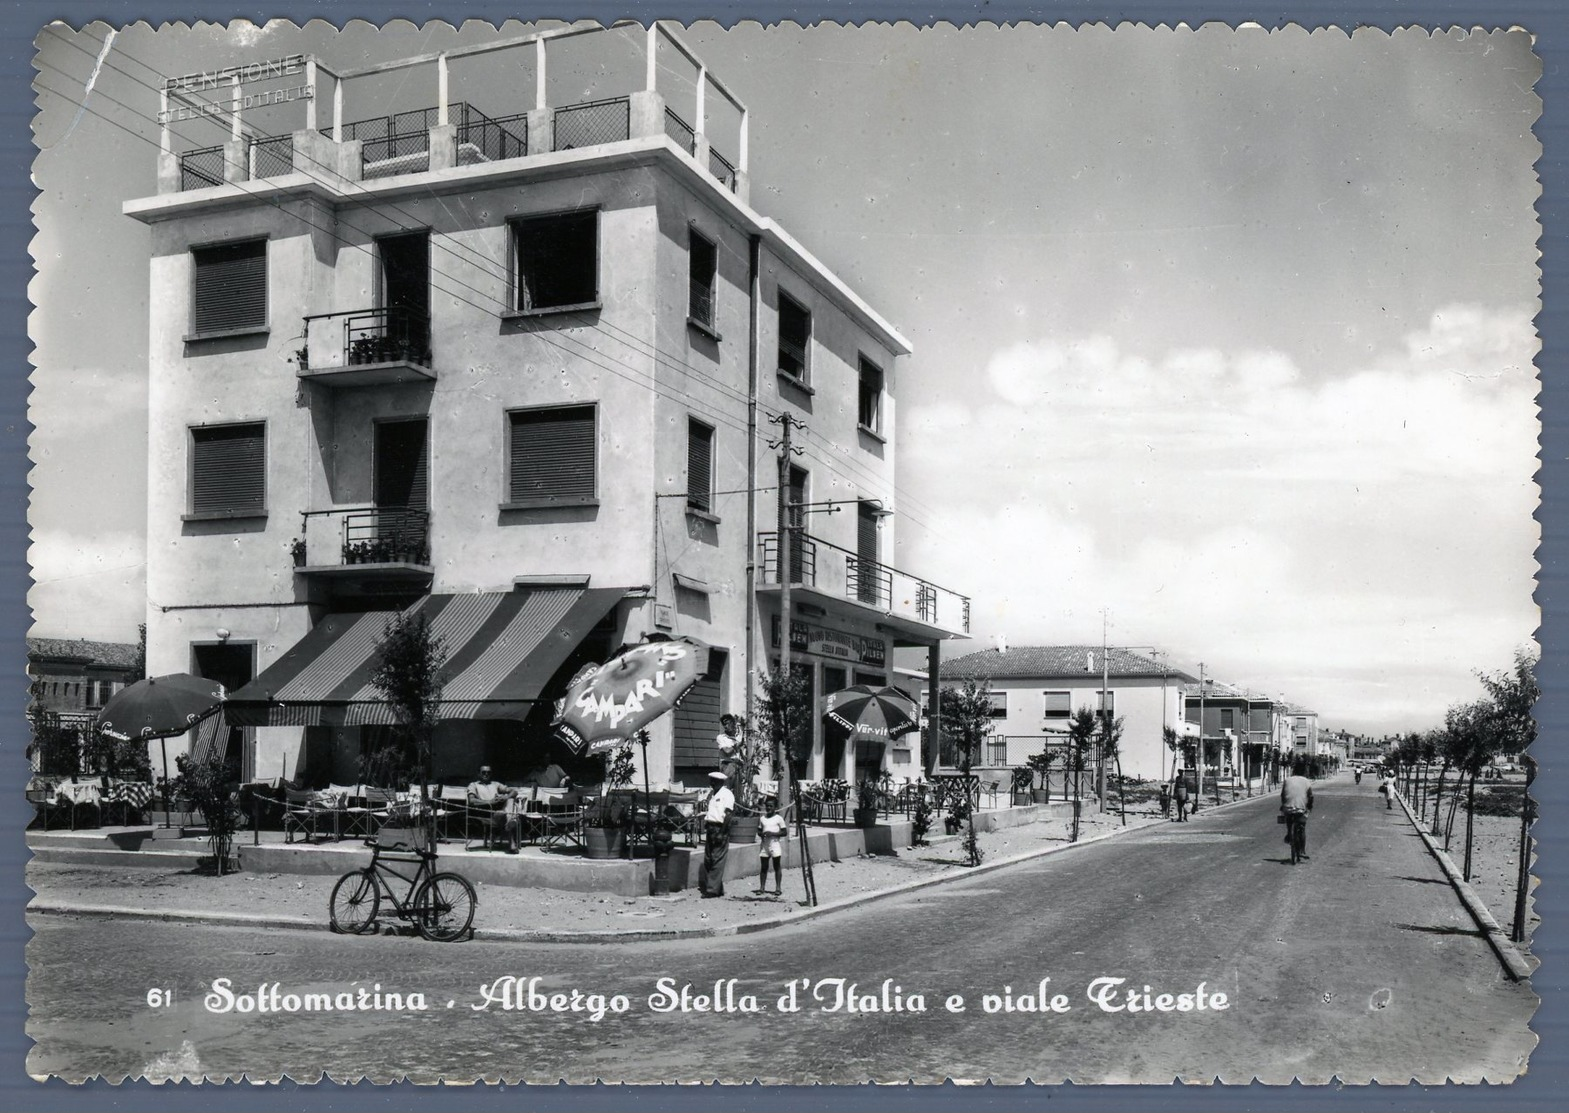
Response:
column 300, row 901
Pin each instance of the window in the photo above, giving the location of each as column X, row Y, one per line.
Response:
column 552, row 455
column 999, row 701
column 1059, row 705
column 1108, row 703
column 1228, row 718
column 703, row 264
column 699, row 466
column 229, row 288
column 229, row 470
column 795, row 336
column 870, row 411
column 557, row 260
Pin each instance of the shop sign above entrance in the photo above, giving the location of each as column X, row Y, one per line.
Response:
column 823, row 642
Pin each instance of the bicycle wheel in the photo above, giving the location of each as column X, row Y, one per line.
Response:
column 444, row 907
column 355, row 899
column 1296, row 841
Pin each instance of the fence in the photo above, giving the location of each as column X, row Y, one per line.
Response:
column 592, row 123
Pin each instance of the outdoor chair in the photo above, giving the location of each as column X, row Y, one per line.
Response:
column 563, row 821
column 47, row 805
column 492, row 820
column 645, row 814
column 367, row 811
column 686, row 820
column 452, row 812
column 306, row 813
column 989, row 789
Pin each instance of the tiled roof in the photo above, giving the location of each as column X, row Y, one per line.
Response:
column 114, row 654
column 1025, row 662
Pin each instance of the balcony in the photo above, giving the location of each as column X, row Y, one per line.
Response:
column 372, row 347
column 385, row 548
column 848, row 585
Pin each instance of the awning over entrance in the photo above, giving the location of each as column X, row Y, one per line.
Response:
column 502, row 649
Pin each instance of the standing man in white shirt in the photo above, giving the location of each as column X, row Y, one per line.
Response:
column 716, row 835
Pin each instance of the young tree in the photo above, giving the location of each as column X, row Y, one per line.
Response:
column 408, row 674
column 217, row 798
column 1081, row 734
column 1109, row 740
column 966, row 721
column 783, row 718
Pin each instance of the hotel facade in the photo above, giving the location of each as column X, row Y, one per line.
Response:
column 519, row 369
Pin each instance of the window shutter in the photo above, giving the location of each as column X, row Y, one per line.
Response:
column 699, row 466
column 553, row 454
column 231, row 286
column 229, row 469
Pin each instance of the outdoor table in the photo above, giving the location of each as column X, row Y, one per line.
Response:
column 83, row 792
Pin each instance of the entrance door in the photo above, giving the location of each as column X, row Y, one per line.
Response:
column 834, row 680
column 869, row 572
column 404, row 276
column 402, row 490
column 233, row 666
column 795, row 518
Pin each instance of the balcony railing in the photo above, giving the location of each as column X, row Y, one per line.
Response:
column 721, row 168
column 826, row 567
column 365, row 536
column 481, row 139
column 386, row 335
column 396, row 144
column 680, row 132
column 270, row 156
column 201, row 168
column 591, row 123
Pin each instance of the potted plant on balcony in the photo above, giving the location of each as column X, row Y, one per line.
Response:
column 297, row 552
column 1040, row 765
column 604, row 831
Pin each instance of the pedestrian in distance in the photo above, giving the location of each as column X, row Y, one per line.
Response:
column 771, row 829
column 716, row 835
column 1359, row 775
column 1179, row 793
column 1387, row 787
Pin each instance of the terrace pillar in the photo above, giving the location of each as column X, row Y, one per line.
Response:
column 541, row 131
column 315, row 153
column 168, row 172
column 647, row 115
column 932, row 746
column 743, row 187
column 234, row 161
column 443, row 146
column 351, row 160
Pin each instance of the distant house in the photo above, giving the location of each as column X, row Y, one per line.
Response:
column 1037, row 688
column 68, row 681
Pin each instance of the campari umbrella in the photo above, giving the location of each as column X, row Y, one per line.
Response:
column 610, row 704
column 160, row 707
column 874, row 714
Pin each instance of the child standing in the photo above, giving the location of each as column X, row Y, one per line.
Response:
column 771, row 829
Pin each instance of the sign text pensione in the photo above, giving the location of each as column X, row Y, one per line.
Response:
column 271, row 70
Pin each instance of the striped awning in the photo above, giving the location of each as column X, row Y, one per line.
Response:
column 502, row 649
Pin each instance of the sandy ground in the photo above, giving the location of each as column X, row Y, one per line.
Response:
column 305, row 898
column 1495, row 862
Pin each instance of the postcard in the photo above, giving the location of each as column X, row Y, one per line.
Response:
column 661, row 553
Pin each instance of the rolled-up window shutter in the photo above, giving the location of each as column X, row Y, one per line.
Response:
column 553, row 454
column 229, row 469
column 699, row 466
column 231, row 287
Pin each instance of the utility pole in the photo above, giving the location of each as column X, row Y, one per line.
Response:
column 1105, row 717
column 784, row 768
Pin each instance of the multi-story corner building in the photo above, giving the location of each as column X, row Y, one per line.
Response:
column 1035, row 690
column 516, row 366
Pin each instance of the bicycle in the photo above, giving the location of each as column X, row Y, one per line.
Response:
column 1296, row 835
column 440, row 905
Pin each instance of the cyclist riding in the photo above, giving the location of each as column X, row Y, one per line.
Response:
column 1296, row 800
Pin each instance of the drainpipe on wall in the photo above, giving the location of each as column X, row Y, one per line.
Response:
column 754, row 290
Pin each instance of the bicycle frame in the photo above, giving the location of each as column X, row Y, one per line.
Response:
column 379, row 867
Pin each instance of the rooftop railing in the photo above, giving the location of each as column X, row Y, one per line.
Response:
column 592, row 123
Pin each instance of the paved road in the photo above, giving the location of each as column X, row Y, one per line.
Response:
column 1359, row 963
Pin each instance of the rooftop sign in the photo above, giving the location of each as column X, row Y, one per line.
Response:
column 270, row 70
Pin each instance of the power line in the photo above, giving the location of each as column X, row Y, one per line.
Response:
column 583, row 351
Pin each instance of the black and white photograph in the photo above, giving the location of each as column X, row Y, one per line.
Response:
column 656, row 552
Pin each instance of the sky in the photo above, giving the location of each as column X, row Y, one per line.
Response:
column 1223, row 339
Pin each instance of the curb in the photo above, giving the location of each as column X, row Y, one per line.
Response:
column 512, row 935
column 1515, row 963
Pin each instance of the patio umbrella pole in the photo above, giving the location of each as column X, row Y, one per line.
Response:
column 163, row 748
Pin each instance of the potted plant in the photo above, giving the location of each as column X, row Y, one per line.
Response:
column 297, row 552
column 1023, row 782
column 958, row 812
column 866, row 803
column 604, row 831
column 921, row 820
column 1040, row 765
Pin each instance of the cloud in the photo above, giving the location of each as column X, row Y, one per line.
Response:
column 1323, row 532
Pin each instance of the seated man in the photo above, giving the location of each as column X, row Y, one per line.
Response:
column 551, row 776
column 486, row 794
